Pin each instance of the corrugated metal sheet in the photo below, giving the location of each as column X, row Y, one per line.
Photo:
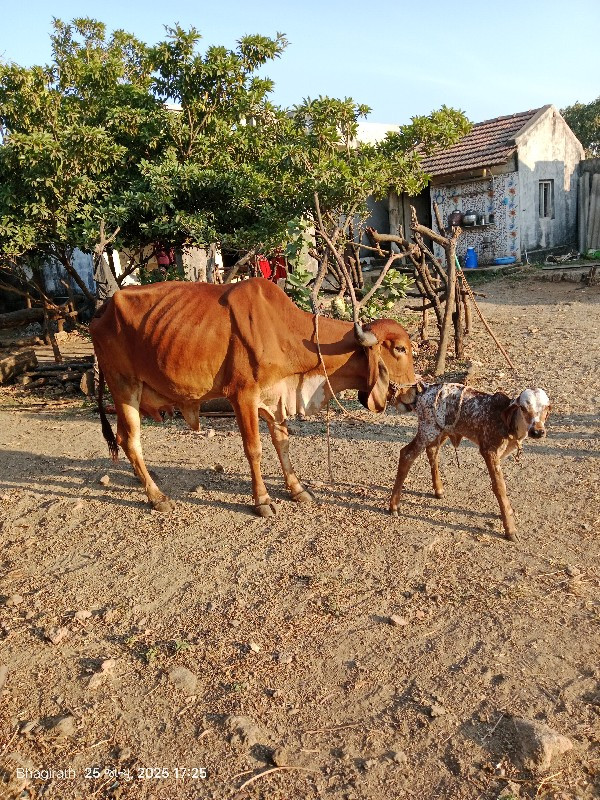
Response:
column 593, row 216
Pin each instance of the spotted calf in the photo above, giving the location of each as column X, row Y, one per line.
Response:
column 494, row 422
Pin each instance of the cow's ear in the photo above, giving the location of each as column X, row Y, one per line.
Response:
column 378, row 382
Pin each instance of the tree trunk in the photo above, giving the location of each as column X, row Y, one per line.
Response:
column 425, row 322
column 236, row 267
column 106, row 284
column 395, row 216
column 15, row 319
column 211, row 264
column 49, row 334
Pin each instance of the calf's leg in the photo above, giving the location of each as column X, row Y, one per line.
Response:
column 499, row 487
column 433, row 455
column 246, row 414
column 408, row 454
column 127, row 404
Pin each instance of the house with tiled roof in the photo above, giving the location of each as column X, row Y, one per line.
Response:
column 518, row 174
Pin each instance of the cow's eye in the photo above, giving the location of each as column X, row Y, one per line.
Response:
column 399, row 349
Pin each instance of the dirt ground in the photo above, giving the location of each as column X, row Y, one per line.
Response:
column 213, row 654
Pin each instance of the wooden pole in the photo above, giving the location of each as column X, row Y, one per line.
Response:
column 440, row 363
column 50, row 333
column 467, row 305
column 458, row 322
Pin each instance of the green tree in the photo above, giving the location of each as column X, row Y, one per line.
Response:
column 209, row 182
column 73, row 134
column 584, row 121
column 169, row 145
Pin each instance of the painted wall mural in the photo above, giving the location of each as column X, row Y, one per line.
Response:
column 500, row 199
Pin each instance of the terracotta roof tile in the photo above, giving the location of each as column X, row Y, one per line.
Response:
column 487, row 144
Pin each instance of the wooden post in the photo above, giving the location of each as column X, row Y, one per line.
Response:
column 50, row 334
column 394, row 214
column 425, row 321
column 458, row 322
column 467, row 305
column 440, row 363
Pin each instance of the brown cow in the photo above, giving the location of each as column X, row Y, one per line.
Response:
column 173, row 344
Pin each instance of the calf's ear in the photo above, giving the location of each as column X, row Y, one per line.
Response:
column 508, row 418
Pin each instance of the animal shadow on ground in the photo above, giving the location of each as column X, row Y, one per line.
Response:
column 64, row 477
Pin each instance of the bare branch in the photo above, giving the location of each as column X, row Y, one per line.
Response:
column 379, row 281
column 241, row 263
column 438, row 218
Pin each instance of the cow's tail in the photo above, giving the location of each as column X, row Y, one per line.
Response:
column 107, row 432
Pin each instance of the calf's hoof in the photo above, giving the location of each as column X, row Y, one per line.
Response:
column 164, row 505
column 265, row 510
column 511, row 536
column 393, row 512
column 303, row 497
column 439, row 494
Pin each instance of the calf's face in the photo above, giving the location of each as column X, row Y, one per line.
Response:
column 534, row 407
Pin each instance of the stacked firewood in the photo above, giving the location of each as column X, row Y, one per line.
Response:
column 70, row 375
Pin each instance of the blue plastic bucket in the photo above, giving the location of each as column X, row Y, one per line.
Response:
column 471, row 260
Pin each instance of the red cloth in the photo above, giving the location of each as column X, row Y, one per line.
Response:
column 279, row 267
column 263, row 264
column 165, row 257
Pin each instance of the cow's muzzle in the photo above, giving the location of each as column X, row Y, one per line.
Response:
column 404, row 397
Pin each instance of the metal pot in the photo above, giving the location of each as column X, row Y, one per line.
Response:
column 455, row 218
column 469, row 218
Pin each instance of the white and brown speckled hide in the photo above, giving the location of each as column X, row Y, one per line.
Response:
column 494, row 422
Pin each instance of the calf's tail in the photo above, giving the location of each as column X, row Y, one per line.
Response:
column 106, row 429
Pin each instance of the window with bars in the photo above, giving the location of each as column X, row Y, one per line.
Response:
column 547, row 199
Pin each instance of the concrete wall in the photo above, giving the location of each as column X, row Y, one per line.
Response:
column 379, row 214
column 548, row 150
column 55, row 273
column 498, row 194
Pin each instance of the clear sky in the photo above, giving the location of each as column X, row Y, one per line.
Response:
column 401, row 58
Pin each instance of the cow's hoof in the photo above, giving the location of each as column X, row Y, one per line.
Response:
column 303, row 497
column 265, row 510
column 511, row 536
column 393, row 512
column 439, row 495
column 164, row 505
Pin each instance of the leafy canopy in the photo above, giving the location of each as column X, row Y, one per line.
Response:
column 183, row 147
column 584, row 121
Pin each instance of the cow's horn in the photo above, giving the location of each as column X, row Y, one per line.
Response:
column 366, row 338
